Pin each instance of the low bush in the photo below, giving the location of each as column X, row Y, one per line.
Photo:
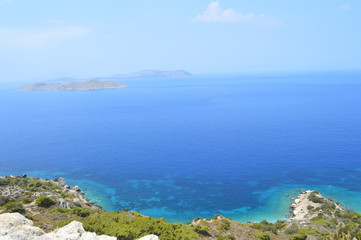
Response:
column 126, row 227
column 314, row 198
column 14, row 207
column 268, row 227
column 4, row 182
column 81, row 212
column 263, row 236
column 27, row 200
column 225, row 237
column 202, row 230
column 61, row 210
column 36, row 186
column 293, row 229
column 45, row 202
column 323, row 222
column 298, row 236
column 3, row 200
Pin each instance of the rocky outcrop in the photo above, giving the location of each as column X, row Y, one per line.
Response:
column 15, row 189
column 150, row 237
column 309, row 204
column 14, row 226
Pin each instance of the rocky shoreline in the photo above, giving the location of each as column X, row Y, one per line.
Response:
column 78, row 196
column 308, row 204
column 15, row 226
column 43, row 209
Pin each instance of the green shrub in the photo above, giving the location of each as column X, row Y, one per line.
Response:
column 45, row 202
column 269, row 227
column 323, row 222
column 314, row 198
column 226, row 237
column 202, row 230
column 314, row 232
column 298, row 236
column 81, row 212
column 3, row 200
column 216, row 216
column 61, row 210
column 120, row 225
column 27, row 200
column 64, row 195
column 263, row 236
column 293, row 229
column 14, row 207
column 225, row 225
column 36, row 186
column 280, row 224
column 4, row 182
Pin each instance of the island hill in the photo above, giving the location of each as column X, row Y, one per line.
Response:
column 85, row 85
column 61, row 212
column 154, row 74
column 101, row 82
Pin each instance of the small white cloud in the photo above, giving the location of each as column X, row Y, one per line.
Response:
column 10, row 37
column 215, row 13
column 345, row 7
column 3, row 2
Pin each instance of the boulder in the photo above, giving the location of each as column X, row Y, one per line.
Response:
column 60, row 181
column 14, row 226
column 64, row 204
column 149, row 237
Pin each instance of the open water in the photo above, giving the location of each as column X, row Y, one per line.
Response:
column 240, row 145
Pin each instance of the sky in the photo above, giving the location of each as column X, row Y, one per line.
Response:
column 43, row 39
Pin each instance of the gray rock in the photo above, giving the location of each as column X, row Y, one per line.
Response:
column 64, row 204
column 150, row 237
column 14, row 226
column 61, row 182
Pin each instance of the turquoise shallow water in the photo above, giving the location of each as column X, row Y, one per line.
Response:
column 186, row 148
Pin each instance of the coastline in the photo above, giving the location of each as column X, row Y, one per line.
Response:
column 273, row 203
column 56, row 208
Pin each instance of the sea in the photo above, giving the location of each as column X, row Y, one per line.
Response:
column 240, row 145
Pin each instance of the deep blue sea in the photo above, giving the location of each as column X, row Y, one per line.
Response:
column 239, row 145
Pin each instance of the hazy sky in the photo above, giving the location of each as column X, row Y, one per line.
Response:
column 44, row 39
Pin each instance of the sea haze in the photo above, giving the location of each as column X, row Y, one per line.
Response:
column 194, row 147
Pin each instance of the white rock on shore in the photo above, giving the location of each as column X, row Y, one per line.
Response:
column 14, row 226
column 150, row 237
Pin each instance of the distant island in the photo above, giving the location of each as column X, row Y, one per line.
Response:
column 137, row 75
column 101, row 82
column 85, row 85
column 154, row 74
